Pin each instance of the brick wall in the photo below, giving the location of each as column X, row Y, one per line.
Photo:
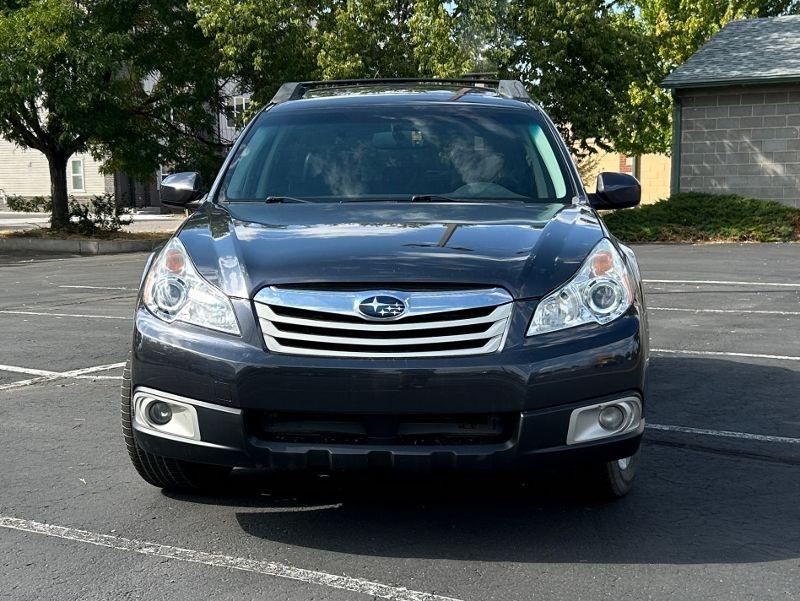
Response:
column 743, row 140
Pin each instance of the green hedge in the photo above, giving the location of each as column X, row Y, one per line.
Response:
column 97, row 215
column 35, row 204
column 697, row 217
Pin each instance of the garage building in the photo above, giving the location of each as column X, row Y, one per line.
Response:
column 736, row 121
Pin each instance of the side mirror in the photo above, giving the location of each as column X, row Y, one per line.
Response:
column 616, row 191
column 179, row 189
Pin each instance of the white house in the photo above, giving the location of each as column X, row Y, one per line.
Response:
column 24, row 172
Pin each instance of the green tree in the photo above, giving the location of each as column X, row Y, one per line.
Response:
column 264, row 43
column 682, row 26
column 676, row 30
column 480, row 29
column 597, row 65
column 391, row 38
column 129, row 80
column 579, row 59
column 267, row 42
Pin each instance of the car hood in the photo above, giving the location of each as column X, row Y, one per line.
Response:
column 528, row 249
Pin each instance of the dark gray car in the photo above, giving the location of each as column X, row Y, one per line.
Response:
column 391, row 275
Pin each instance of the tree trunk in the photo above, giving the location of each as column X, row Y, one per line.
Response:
column 59, row 218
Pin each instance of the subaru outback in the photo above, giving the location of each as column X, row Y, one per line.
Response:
column 391, row 274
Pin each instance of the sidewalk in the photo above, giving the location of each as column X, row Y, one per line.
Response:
column 142, row 222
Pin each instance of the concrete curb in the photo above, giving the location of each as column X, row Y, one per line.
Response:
column 78, row 247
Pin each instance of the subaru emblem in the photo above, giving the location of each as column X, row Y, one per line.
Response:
column 382, row 307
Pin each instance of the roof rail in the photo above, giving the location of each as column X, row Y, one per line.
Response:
column 507, row 88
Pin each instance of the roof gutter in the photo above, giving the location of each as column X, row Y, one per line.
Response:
column 738, row 81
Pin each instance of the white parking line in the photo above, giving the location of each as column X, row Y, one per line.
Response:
column 45, row 314
column 723, row 283
column 723, row 433
column 725, row 354
column 27, row 370
column 99, row 287
column 89, row 370
column 267, row 568
column 48, row 376
column 23, row 383
column 742, row 311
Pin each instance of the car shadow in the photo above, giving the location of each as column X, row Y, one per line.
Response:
column 689, row 506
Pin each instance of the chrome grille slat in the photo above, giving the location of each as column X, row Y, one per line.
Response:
column 491, row 346
column 347, row 333
column 495, row 330
column 343, row 302
column 267, row 314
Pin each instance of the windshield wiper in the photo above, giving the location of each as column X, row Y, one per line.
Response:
column 433, row 198
column 414, row 198
column 280, row 199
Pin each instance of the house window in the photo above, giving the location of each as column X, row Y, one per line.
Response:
column 76, row 173
column 236, row 106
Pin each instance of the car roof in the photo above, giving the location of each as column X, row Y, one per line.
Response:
column 382, row 92
column 398, row 97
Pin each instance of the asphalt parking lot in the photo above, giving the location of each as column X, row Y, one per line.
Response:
column 714, row 514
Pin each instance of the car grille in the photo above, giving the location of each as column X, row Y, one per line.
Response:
column 328, row 323
column 375, row 429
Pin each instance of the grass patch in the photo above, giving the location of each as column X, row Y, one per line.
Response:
column 46, row 233
column 698, row 217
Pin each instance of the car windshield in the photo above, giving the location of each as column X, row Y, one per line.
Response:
column 419, row 152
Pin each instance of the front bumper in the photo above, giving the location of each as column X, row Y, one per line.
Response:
column 537, row 441
column 538, row 381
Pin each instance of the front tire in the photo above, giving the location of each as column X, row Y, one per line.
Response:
column 613, row 479
column 164, row 472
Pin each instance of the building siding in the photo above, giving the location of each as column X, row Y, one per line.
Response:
column 25, row 172
column 742, row 140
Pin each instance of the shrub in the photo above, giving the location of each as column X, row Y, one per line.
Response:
column 698, row 217
column 35, row 204
column 101, row 215
column 14, row 202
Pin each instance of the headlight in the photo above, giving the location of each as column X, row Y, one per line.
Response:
column 174, row 291
column 601, row 291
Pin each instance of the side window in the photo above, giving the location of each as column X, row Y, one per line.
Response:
column 236, row 106
column 250, row 165
column 76, row 175
column 548, row 156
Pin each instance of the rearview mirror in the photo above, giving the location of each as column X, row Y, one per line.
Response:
column 179, row 189
column 616, row 191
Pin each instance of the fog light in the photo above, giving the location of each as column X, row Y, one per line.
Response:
column 611, row 418
column 159, row 413
column 605, row 420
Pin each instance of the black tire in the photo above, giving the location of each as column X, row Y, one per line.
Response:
column 613, row 479
column 167, row 473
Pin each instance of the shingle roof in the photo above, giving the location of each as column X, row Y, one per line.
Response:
column 744, row 52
